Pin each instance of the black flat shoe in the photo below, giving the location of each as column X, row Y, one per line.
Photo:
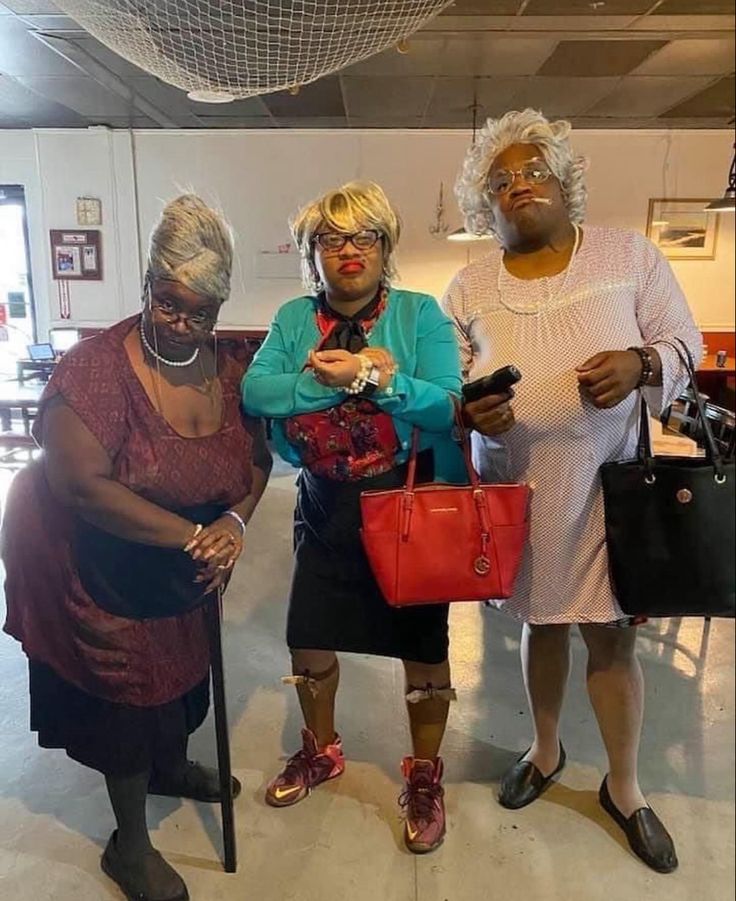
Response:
column 645, row 832
column 148, row 878
column 524, row 782
column 195, row 783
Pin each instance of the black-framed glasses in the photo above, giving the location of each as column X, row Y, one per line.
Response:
column 534, row 172
column 334, row 242
column 201, row 321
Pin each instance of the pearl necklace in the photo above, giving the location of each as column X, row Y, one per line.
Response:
column 534, row 309
column 157, row 356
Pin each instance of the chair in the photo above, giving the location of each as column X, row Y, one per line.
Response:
column 16, row 449
column 682, row 416
column 722, row 423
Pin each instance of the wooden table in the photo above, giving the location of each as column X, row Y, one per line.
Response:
column 709, row 365
column 718, row 381
column 22, row 397
column 32, row 369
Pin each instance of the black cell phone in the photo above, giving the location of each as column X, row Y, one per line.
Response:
column 499, row 382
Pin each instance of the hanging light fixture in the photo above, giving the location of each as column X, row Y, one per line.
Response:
column 466, row 237
column 727, row 203
column 460, row 235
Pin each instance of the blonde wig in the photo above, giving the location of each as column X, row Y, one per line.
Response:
column 348, row 209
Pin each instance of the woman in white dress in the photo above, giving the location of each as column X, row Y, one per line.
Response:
column 585, row 314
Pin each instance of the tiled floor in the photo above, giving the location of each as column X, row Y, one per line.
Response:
column 344, row 842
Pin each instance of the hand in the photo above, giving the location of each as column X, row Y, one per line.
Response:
column 219, row 544
column 381, row 358
column 213, row 577
column 610, row 377
column 334, row 368
column 490, row 415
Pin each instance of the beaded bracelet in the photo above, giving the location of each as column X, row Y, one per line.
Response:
column 361, row 379
column 647, row 365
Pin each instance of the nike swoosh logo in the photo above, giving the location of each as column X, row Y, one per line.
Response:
column 412, row 833
column 285, row 792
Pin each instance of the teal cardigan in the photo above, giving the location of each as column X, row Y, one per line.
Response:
column 422, row 341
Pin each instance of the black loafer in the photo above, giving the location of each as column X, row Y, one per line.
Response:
column 645, row 832
column 134, row 878
column 195, row 784
column 524, row 782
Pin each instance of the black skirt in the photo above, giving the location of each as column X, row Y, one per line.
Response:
column 116, row 739
column 335, row 603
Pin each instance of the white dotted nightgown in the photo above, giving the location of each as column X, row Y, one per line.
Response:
column 620, row 292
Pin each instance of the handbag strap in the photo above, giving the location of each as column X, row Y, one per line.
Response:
column 712, row 454
column 463, row 433
column 644, row 450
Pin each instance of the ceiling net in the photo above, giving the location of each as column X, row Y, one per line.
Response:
column 249, row 47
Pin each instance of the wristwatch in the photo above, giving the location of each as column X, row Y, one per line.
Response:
column 372, row 381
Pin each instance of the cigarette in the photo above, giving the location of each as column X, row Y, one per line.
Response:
column 542, row 200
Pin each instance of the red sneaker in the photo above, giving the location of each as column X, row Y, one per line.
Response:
column 306, row 769
column 423, row 800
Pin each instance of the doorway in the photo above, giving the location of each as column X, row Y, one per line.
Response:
column 17, row 310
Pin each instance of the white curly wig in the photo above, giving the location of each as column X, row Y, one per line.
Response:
column 526, row 127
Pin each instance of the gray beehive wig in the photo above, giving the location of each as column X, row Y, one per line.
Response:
column 192, row 244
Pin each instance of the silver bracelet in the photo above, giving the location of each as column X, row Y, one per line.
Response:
column 238, row 519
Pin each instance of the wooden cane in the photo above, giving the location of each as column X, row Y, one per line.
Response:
column 214, row 615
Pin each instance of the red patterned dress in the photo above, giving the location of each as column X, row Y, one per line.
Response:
column 105, row 686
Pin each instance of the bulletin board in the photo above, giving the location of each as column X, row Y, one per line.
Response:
column 76, row 254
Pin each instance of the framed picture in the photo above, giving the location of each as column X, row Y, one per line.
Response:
column 67, row 261
column 682, row 229
column 76, row 254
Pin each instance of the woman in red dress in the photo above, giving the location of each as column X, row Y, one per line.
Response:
column 135, row 510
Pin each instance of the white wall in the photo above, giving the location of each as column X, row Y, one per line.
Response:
column 56, row 167
column 258, row 178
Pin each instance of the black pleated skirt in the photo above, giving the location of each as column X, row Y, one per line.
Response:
column 116, row 739
column 335, row 603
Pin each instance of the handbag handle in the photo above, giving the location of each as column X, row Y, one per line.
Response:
column 712, row 454
column 465, row 443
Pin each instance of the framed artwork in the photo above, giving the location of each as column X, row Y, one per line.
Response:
column 682, row 229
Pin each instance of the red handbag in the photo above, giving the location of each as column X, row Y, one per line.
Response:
column 435, row 543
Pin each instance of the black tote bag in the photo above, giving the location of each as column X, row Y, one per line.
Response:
column 670, row 526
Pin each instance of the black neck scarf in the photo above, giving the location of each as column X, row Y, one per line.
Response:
column 348, row 332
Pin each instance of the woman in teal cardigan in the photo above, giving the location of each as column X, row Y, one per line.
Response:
column 346, row 373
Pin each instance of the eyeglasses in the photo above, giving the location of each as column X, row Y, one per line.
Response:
column 201, row 321
column 334, row 241
column 534, row 172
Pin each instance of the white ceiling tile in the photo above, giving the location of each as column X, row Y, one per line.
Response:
column 461, row 54
column 647, row 95
column 383, row 96
column 83, row 95
column 696, row 56
column 564, row 97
